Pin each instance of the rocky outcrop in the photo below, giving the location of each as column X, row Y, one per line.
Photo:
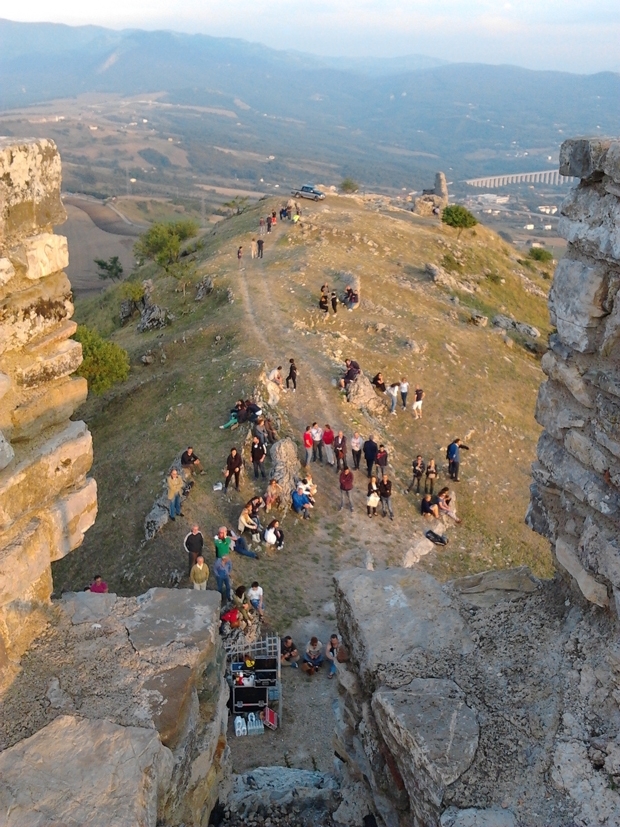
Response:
column 285, row 467
column 46, row 500
column 119, row 717
column 433, row 199
column 576, row 491
column 459, row 699
column 362, row 394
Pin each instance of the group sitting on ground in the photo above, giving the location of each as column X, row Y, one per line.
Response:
column 439, row 506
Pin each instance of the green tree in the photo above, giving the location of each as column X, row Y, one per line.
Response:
column 540, row 254
column 110, row 269
column 162, row 242
column 104, row 364
column 349, row 185
column 455, row 215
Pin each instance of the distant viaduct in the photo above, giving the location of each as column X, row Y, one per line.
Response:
column 551, row 176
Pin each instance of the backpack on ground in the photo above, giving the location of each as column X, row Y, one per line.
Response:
column 438, row 539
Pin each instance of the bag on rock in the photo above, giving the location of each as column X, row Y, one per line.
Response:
column 438, row 539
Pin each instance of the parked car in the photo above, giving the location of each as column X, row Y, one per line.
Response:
column 308, row 191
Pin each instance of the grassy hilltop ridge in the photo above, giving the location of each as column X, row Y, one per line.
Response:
column 478, row 387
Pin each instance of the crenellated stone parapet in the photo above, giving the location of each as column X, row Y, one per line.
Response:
column 46, row 500
column 576, row 491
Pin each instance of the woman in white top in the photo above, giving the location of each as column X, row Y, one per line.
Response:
column 392, row 392
column 255, row 595
column 404, row 390
column 356, row 450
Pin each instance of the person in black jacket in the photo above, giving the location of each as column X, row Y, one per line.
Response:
column 194, row 543
column 418, row 472
column 334, row 301
column 324, row 303
column 258, row 452
column 370, row 453
column 292, row 374
column 385, row 493
column 340, row 450
column 234, row 463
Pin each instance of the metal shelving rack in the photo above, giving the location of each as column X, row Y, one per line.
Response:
column 265, row 647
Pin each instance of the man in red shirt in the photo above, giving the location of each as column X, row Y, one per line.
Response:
column 328, row 442
column 99, row 586
column 308, row 445
column 346, row 486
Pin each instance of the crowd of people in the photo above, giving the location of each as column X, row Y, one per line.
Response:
column 350, row 299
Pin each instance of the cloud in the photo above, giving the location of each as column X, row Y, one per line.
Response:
column 573, row 35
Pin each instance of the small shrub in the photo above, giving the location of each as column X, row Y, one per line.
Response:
column 162, row 242
column 450, row 263
column 105, row 363
column 110, row 269
column 494, row 277
column 349, row 185
column 132, row 290
column 455, row 215
column 540, row 254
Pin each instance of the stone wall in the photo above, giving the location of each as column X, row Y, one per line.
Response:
column 46, row 500
column 575, row 498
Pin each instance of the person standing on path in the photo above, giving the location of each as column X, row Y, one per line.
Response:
column 261, row 226
column 381, row 459
column 404, row 390
column 453, row 455
column 370, row 454
column 356, row 450
column 258, row 453
column 234, row 463
column 417, row 404
column 334, row 301
column 194, row 544
column 308, row 443
column 239, row 256
column 317, row 442
column 175, row 488
column 292, row 374
column 431, row 476
column 328, row 443
column 392, row 392
column 340, row 449
column 253, row 248
column 385, row 493
column 199, row 574
column 222, row 569
column 259, row 248
column 372, row 498
column 418, row 473
column 269, row 222
column 346, row 486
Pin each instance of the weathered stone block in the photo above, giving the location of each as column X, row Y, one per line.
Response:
column 557, row 410
column 6, row 452
column 591, row 589
column 25, row 617
column 44, row 474
column 590, row 219
column 599, row 550
column 75, row 771
column 51, row 405
column 490, row 587
column 611, row 162
column 5, row 385
column 34, row 312
column 568, row 375
column 87, row 607
column 576, row 302
column 586, row 451
column 63, row 360
column 7, row 271
column 30, row 181
column 23, row 559
column 170, row 695
column 41, row 255
column 71, row 517
column 471, row 817
column 582, row 157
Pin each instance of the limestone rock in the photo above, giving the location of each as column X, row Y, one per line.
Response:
column 178, row 624
column 285, row 466
column 87, row 607
column 441, row 276
column 61, row 361
column 611, row 162
column 432, row 734
column 7, row 271
column 557, row 411
column 527, row 330
column 30, row 179
column 75, row 772
column 491, row 817
column 576, row 302
column 170, row 696
column 591, row 589
column 573, row 773
column 406, row 607
column 490, row 587
column 479, row 319
column 34, row 311
column 268, row 787
column 41, row 255
column 153, row 317
column 504, row 322
column 441, row 185
column 6, row 452
column 204, row 288
column 582, row 157
column 567, row 374
column 419, row 548
column 363, row 395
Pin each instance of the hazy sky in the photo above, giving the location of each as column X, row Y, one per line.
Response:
column 571, row 35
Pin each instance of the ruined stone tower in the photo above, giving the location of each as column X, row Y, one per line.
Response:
column 576, row 490
column 46, row 500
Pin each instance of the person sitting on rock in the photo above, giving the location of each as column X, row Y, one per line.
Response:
column 256, row 597
column 309, row 487
column 226, row 540
column 235, row 415
column 313, row 656
column 288, row 652
column 242, row 604
column 276, row 377
column 300, row 502
column 352, row 372
column 255, row 505
column 428, row 508
column 246, row 522
column 272, row 434
column 190, row 462
column 259, row 430
column 273, row 496
column 444, row 505
column 175, row 488
column 379, row 382
column 254, row 410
